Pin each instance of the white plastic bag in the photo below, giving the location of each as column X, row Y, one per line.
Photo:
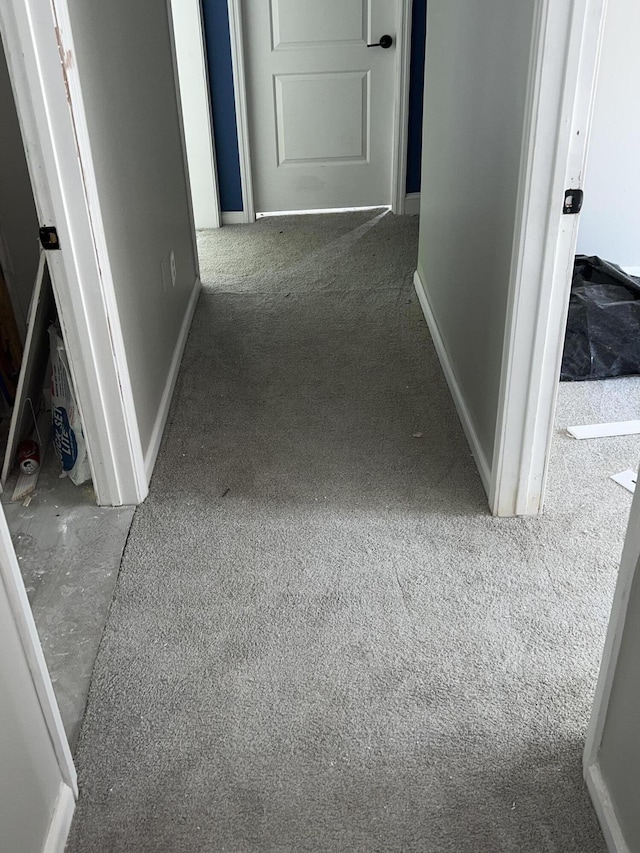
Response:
column 68, row 438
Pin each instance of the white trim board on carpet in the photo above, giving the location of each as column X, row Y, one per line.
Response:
column 605, row 430
column 627, row 479
column 484, row 469
column 163, row 411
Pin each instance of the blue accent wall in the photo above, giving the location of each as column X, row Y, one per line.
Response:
column 218, row 44
column 416, row 89
column 223, row 107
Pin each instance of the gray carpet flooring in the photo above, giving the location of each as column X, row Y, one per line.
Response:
column 320, row 640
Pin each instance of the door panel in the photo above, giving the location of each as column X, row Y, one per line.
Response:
column 297, row 23
column 320, row 102
column 306, row 106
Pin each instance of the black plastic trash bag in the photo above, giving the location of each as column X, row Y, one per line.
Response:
column 603, row 327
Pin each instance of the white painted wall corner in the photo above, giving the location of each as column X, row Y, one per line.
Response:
column 468, row 426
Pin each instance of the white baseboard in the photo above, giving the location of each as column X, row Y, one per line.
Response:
column 605, row 811
column 163, row 411
column 484, row 468
column 61, row 821
column 412, row 204
column 233, row 217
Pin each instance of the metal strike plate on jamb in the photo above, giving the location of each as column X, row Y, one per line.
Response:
column 573, row 201
column 49, row 237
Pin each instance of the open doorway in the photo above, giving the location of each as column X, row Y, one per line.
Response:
column 597, row 422
column 68, row 548
column 598, row 412
column 69, row 538
column 215, row 53
column 603, row 320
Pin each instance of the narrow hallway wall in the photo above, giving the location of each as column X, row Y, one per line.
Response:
column 124, row 56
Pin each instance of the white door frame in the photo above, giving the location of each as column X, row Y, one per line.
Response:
column 36, row 36
column 560, row 97
column 11, row 578
column 248, row 212
column 598, row 789
column 195, row 96
column 398, row 191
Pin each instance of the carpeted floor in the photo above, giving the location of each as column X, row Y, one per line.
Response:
column 320, row 640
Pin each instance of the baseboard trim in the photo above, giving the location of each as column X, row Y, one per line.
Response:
column 163, row 411
column 605, row 811
column 233, row 217
column 60, row 825
column 482, row 464
column 412, row 204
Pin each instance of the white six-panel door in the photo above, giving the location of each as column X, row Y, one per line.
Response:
column 320, row 102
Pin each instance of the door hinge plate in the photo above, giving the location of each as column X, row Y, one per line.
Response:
column 49, row 237
column 573, row 201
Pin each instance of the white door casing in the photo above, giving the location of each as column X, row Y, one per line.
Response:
column 617, row 708
column 565, row 58
column 322, row 106
column 39, row 50
column 196, row 111
column 36, row 761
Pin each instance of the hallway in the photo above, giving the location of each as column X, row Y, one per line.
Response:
column 320, row 639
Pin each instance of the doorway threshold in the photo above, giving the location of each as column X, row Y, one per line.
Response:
column 323, row 210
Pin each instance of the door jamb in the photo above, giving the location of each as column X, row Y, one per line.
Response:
column 192, row 74
column 398, row 189
column 11, row 579
column 598, row 789
column 248, row 213
column 39, row 49
column 401, row 108
column 560, row 105
column 596, row 783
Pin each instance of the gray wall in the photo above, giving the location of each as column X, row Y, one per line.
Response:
column 18, row 218
column 124, row 59
column 30, row 777
column 610, row 220
column 473, row 119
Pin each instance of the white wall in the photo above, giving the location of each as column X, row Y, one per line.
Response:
column 610, row 220
column 19, row 244
column 124, row 59
column 472, row 136
column 29, row 774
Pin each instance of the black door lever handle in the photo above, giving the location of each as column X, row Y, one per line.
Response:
column 385, row 43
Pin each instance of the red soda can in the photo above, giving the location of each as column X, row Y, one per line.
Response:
column 29, row 456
